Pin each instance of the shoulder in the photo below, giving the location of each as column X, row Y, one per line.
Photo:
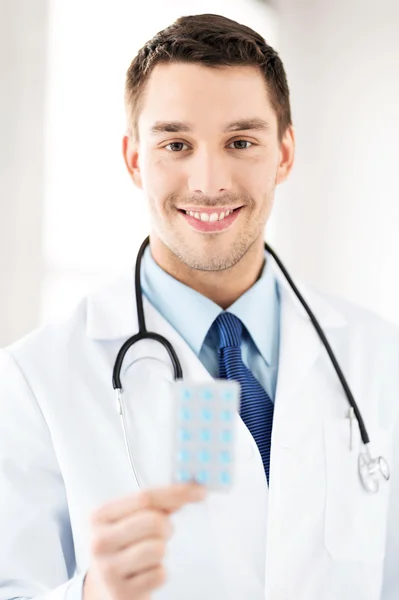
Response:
column 47, row 341
column 365, row 337
column 363, row 319
column 108, row 312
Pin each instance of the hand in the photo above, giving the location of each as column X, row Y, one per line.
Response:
column 129, row 541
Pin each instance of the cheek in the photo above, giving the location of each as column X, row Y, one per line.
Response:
column 258, row 177
column 161, row 176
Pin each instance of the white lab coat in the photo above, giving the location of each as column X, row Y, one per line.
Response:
column 314, row 535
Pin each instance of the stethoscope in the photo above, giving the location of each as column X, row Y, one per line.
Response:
column 371, row 470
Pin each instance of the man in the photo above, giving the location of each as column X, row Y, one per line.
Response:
column 210, row 136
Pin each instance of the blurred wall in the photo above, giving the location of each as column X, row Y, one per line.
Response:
column 70, row 217
column 336, row 221
column 23, row 52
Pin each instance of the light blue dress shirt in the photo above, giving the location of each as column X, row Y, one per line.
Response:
column 192, row 315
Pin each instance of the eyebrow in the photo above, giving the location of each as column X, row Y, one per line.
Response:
column 254, row 124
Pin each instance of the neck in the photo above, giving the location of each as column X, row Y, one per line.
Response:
column 222, row 287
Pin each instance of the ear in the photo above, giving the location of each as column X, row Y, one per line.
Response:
column 287, row 153
column 131, row 156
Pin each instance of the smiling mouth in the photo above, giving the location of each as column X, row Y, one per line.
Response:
column 210, row 221
column 209, row 215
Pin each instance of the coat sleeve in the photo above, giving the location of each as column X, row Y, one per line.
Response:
column 389, row 398
column 37, row 557
column 391, row 565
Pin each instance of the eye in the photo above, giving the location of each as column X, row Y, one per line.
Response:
column 175, row 146
column 240, row 144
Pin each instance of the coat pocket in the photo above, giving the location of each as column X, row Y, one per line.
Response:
column 355, row 519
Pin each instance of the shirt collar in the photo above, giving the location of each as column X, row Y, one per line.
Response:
column 188, row 311
column 192, row 314
column 259, row 310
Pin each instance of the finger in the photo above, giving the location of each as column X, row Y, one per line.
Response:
column 146, row 582
column 145, row 555
column 172, row 498
column 138, row 526
column 169, row 499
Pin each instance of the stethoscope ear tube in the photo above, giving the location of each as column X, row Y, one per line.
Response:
column 143, row 334
column 352, row 402
column 137, row 286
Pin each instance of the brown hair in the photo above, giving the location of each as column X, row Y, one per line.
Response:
column 213, row 41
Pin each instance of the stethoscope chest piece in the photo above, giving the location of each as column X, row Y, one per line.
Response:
column 372, row 471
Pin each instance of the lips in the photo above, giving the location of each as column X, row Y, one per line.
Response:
column 210, row 226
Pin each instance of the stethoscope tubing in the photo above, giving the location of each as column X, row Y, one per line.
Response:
column 177, row 368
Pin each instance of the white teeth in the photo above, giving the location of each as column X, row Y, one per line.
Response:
column 206, row 217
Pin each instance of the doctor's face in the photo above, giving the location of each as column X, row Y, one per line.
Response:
column 208, row 158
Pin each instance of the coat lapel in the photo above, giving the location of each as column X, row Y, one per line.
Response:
column 300, row 349
column 306, row 387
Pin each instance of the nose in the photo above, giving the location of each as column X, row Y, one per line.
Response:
column 209, row 174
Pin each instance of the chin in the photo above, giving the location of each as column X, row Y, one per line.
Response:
column 208, row 260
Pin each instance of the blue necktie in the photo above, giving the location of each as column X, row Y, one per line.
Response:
column 256, row 405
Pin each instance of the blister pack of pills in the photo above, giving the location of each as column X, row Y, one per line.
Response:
column 204, row 432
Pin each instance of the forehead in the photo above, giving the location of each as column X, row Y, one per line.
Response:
column 207, row 96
